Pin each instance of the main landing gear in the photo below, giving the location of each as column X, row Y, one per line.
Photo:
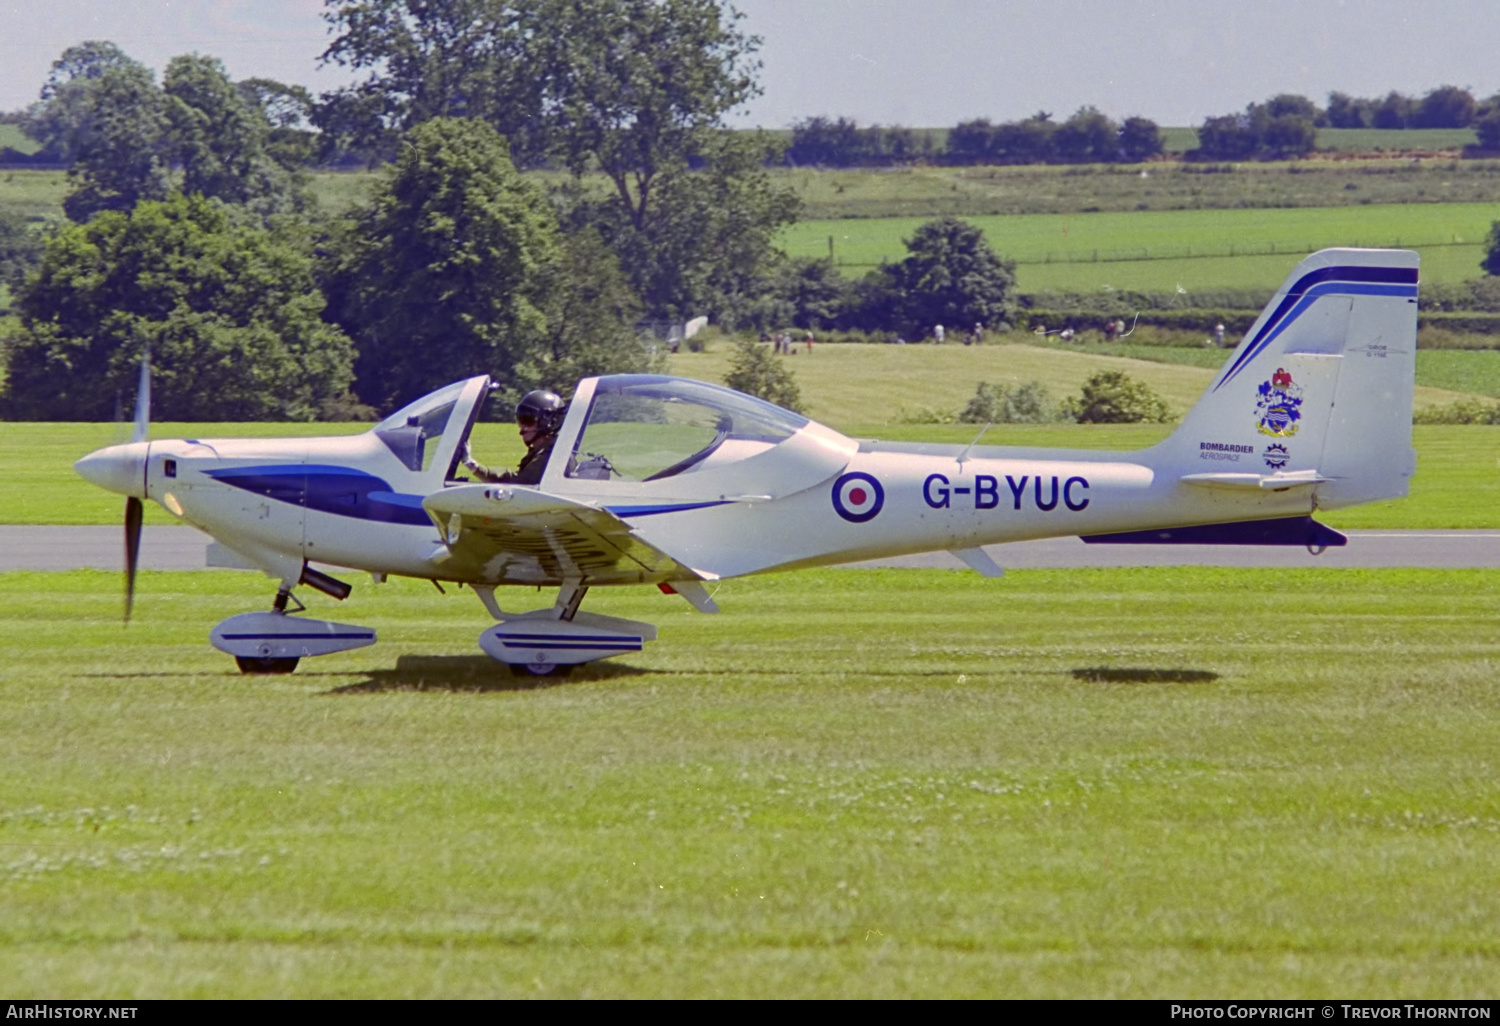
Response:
column 550, row 642
column 274, row 642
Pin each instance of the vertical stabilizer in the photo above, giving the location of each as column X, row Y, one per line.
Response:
column 1321, row 384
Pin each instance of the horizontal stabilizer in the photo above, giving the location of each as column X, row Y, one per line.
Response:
column 1285, row 531
column 1255, row 482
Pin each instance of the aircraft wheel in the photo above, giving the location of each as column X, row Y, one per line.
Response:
column 249, row 664
column 540, row 669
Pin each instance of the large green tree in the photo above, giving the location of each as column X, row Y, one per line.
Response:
column 128, row 140
column 952, row 277
column 64, row 116
column 219, row 138
column 102, row 113
column 230, row 314
column 635, row 89
column 706, row 241
column 457, row 267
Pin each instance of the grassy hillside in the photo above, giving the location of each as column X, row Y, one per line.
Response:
column 849, row 385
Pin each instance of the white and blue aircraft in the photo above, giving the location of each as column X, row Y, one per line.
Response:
column 663, row 481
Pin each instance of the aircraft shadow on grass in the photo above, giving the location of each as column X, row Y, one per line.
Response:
column 471, row 673
column 1141, row 675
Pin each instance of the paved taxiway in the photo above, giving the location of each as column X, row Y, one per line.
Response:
column 183, row 548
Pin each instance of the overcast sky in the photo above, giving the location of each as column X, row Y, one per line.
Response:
column 909, row 62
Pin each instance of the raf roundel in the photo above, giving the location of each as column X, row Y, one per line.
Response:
column 857, row 497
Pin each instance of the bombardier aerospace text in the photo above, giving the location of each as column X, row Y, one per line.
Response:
column 655, row 480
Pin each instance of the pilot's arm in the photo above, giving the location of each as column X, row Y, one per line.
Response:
column 479, row 470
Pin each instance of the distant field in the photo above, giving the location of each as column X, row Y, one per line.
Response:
column 1159, row 250
column 13, row 138
column 1360, row 140
column 1372, row 140
column 1105, row 237
column 1439, row 264
column 982, row 191
column 978, row 191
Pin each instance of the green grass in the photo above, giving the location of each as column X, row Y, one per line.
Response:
column 1181, row 783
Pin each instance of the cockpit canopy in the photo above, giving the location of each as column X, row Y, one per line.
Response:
column 413, row 432
column 645, row 427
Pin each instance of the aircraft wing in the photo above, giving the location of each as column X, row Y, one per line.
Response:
column 509, row 534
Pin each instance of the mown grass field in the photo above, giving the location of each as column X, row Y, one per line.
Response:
column 1143, row 783
column 1160, row 250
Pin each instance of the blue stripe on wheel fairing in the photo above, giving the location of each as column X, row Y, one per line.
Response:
column 528, row 638
column 547, row 646
column 296, row 637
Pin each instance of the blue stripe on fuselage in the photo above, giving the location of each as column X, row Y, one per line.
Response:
column 341, row 491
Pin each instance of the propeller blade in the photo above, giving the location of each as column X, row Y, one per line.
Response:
column 143, row 401
column 134, row 512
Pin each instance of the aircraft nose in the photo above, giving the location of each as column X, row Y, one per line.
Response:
column 119, row 468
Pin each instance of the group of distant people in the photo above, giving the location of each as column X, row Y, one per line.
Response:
column 783, row 343
column 972, row 337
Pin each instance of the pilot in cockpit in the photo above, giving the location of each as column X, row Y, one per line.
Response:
column 539, row 415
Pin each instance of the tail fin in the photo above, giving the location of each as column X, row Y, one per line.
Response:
column 1322, row 384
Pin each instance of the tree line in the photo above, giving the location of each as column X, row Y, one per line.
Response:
column 1280, row 127
column 1286, row 125
column 1088, row 137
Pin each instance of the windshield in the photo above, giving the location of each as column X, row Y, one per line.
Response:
column 413, row 431
column 644, row 427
